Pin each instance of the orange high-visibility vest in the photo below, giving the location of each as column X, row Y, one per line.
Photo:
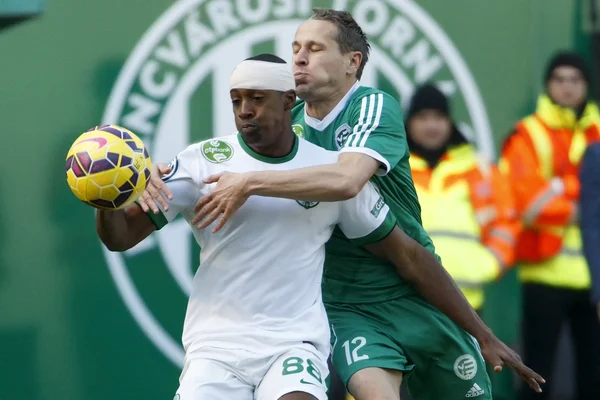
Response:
column 542, row 160
column 468, row 212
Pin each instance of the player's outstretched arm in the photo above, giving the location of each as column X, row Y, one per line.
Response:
column 330, row 182
column 120, row 230
column 421, row 268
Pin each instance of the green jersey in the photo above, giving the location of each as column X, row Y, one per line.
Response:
column 367, row 121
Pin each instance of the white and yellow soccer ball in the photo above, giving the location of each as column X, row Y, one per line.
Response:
column 108, row 167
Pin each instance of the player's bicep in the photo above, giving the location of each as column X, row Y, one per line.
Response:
column 366, row 218
column 378, row 131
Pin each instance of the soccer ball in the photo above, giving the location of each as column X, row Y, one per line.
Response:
column 108, row 167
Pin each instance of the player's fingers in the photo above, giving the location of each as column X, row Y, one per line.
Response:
column 210, row 218
column 213, row 178
column 494, row 359
column 149, row 202
column 142, row 202
column 164, row 189
column 162, row 200
column 222, row 221
column 533, row 384
column 152, row 190
column 154, row 197
column 530, row 374
column 163, row 169
column 204, row 200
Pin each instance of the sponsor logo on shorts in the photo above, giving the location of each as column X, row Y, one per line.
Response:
column 307, row 383
column 298, row 130
column 475, row 391
column 465, row 367
column 217, row 151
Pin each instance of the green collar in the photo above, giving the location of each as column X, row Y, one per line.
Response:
column 270, row 160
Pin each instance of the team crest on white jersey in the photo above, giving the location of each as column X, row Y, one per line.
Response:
column 308, row 204
column 173, row 91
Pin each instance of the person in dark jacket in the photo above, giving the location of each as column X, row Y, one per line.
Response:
column 589, row 203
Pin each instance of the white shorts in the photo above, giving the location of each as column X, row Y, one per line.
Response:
column 219, row 374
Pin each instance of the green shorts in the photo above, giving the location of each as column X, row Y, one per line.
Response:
column 439, row 359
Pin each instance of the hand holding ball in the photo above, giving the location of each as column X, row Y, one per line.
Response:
column 108, row 167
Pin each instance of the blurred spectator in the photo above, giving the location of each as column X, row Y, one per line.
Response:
column 541, row 158
column 466, row 204
column 590, row 216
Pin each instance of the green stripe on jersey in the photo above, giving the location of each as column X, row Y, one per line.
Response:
column 370, row 115
column 378, row 234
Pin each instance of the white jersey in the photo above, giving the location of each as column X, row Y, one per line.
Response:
column 258, row 286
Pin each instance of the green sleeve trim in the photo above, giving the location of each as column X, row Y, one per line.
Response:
column 380, row 233
column 159, row 220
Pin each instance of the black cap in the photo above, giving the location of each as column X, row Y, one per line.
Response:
column 567, row 59
column 428, row 97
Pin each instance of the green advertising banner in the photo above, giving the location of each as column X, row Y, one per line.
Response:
column 80, row 322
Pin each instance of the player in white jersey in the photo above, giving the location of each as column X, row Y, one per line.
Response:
column 255, row 326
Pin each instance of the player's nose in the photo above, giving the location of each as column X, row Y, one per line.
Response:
column 301, row 57
column 246, row 111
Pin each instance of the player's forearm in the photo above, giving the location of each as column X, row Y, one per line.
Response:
column 120, row 230
column 112, row 229
column 321, row 183
column 421, row 268
column 434, row 283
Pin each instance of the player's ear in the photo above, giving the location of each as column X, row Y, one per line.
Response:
column 354, row 61
column 289, row 99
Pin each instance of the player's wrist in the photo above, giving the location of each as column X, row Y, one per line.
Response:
column 252, row 184
column 485, row 337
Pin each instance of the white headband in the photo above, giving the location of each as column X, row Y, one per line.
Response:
column 262, row 75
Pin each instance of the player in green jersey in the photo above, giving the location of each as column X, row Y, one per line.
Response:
column 384, row 326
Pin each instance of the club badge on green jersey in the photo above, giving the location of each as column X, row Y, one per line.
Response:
column 341, row 135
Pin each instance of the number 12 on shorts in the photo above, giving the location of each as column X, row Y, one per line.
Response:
column 352, row 355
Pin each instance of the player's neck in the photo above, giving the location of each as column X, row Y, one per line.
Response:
column 280, row 148
column 321, row 108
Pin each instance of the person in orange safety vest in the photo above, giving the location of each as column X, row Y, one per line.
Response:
column 466, row 205
column 541, row 158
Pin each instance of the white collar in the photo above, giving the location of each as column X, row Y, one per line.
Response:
column 321, row 125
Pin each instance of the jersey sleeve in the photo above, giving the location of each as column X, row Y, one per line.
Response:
column 366, row 218
column 378, row 131
column 184, row 183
